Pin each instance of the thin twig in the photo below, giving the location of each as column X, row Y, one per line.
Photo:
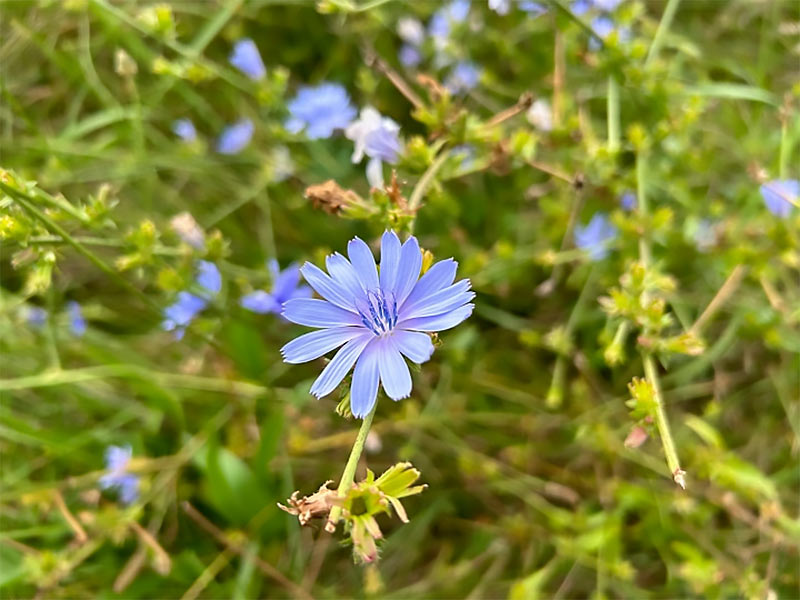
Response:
column 373, row 60
column 728, row 288
column 163, row 561
column 80, row 533
column 523, row 104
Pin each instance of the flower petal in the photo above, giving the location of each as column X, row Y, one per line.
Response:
column 438, row 277
column 395, row 377
column 327, row 287
column 408, row 269
column 316, row 343
column 390, row 258
column 284, row 284
column 318, row 313
column 342, row 272
column 364, row 390
column 363, row 262
column 415, row 345
column 442, row 301
column 439, row 322
column 342, row 362
column 260, row 302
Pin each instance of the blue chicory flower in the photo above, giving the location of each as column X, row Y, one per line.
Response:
column 118, row 477
column 236, row 137
column 603, row 26
column 409, row 56
column 320, row 110
column 463, row 77
column 377, row 137
column 779, row 194
column 375, row 318
column 444, row 18
column 184, row 129
column 628, row 201
column 246, row 58
column 595, row 236
column 77, row 322
column 187, row 306
column 36, row 316
column 284, row 288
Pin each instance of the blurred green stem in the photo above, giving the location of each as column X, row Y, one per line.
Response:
column 612, row 107
column 663, row 27
column 783, row 166
column 678, row 474
column 424, row 181
column 350, row 468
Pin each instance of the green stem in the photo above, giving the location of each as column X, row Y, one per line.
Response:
column 350, row 468
column 678, row 474
column 663, row 27
column 783, row 165
column 612, row 109
column 425, row 180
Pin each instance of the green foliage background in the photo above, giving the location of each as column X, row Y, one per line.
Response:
column 518, row 422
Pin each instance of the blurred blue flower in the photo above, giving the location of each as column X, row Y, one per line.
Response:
column 463, row 77
column 534, row 8
column 595, row 236
column 184, row 129
column 450, row 14
column 501, row 7
column 208, row 277
column 187, row 228
column 284, row 288
column 118, row 477
column 36, row 316
column 187, row 306
column 467, row 154
column 246, row 58
column 77, row 322
column 411, row 31
column 378, row 138
column 409, row 56
column 780, row 195
column 603, row 26
column 628, row 201
column 375, row 318
column 236, row 137
column 320, row 110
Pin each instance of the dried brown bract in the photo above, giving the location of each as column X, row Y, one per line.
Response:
column 317, row 504
column 331, row 197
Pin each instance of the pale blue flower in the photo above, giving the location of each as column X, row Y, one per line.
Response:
column 377, row 137
column 187, row 306
column 628, row 201
column 603, row 26
column 540, row 115
column 36, row 316
column 704, row 235
column 411, row 31
column 118, row 477
column 375, row 318
column 444, row 18
column 463, row 77
column 284, row 288
column 779, row 194
column 184, row 129
column 320, row 110
column 595, row 236
column 533, row 8
column 409, row 56
column 77, row 322
column 246, row 58
column 236, row 137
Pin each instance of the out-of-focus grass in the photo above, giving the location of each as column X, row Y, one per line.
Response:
column 526, row 499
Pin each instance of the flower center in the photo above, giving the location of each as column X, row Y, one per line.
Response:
column 379, row 312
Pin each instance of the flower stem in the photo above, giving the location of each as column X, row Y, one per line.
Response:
column 350, row 468
column 612, row 108
column 678, row 474
column 663, row 27
column 422, row 185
